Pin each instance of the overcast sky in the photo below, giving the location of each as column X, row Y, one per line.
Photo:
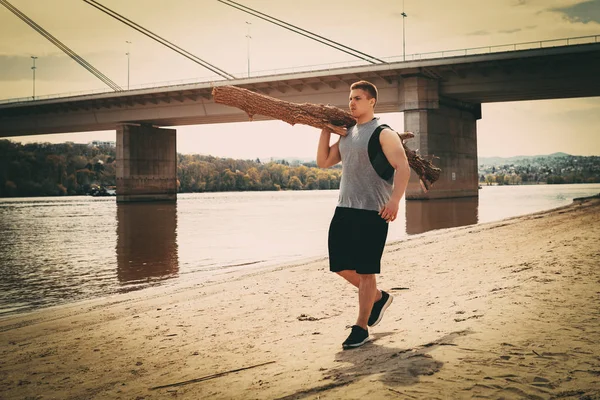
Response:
column 217, row 33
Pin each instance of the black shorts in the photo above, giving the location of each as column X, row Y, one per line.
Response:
column 356, row 240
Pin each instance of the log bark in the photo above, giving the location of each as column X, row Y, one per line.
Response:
column 315, row 115
column 318, row 116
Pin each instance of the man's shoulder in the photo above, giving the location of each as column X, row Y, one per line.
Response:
column 390, row 137
column 386, row 130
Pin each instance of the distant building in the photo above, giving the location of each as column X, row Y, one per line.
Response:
column 98, row 143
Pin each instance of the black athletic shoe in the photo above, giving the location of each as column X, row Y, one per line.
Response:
column 358, row 337
column 379, row 308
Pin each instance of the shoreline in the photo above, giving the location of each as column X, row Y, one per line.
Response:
column 501, row 309
column 86, row 195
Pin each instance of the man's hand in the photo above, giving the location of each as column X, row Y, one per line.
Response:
column 389, row 212
column 340, row 130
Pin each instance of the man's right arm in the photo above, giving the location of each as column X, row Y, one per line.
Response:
column 327, row 156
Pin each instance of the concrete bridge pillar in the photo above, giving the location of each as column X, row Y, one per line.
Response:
column 446, row 129
column 146, row 163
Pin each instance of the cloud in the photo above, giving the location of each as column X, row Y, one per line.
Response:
column 517, row 29
column 18, row 67
column 585, row 12
column 15, row 67
column 510, row 30
column 50, row 66
column 479, row 33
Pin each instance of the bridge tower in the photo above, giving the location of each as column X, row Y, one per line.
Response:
column 146, row 163
column 444, row 128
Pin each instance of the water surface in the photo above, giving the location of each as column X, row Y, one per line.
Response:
column 63, row 249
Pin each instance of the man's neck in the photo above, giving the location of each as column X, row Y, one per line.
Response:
column 365, row 118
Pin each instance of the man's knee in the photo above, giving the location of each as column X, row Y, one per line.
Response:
column 366, row 277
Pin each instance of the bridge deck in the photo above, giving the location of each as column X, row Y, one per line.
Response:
column 546, row 73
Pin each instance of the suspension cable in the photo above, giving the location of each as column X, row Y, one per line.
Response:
column 303, row 32
column 62, row 46
column 159, row 39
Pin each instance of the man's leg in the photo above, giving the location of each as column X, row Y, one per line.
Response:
column 367, row 296
column 351, row 276
column 354, row 278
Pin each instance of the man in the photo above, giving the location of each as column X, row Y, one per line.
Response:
column 367, row 203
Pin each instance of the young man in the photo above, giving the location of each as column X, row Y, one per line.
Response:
column 367, row 203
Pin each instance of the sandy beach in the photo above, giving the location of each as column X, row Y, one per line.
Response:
column 504, row 310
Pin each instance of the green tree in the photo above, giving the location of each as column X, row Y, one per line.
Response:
column 500, row 179
column 254, row 177
column 294, row 183
column 311, row 182
column 10, row 189
column 323, row 182
column 265, row 180
column 242, row 181
column 228, row 179
column 71, row 185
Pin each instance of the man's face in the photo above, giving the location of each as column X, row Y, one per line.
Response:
column 360, row 103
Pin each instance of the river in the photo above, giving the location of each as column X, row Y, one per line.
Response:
column 64, row 249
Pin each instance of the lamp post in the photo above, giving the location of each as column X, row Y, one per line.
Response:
column 403, row 34
column 33, row 69
column 128, row 53
column 248, row 37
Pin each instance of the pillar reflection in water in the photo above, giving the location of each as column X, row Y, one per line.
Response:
column 146, row 243
column 427, row 215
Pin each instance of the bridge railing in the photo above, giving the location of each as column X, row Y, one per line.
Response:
column 497, row 48
column 332, row 66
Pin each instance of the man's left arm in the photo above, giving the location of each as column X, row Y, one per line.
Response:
column 396, row 156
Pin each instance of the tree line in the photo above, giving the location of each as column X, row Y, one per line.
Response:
column 550, row 170
column 196, row 173
column 44, row 169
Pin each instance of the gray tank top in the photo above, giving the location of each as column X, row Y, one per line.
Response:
column 360, row 186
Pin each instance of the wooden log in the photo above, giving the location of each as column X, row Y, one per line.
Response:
column 315, row 115
column 318, row 116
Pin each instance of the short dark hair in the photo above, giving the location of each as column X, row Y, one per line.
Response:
column 367, row 87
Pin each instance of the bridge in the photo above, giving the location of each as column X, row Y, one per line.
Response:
column 441, row 99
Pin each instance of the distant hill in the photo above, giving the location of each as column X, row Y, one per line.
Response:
column 551, row 168
column 291, row 160
column 514, row 159
column 481, row 160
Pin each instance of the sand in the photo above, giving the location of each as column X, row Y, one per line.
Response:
column 504, row 310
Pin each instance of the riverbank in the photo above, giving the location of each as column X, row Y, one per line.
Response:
column 506, row 309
